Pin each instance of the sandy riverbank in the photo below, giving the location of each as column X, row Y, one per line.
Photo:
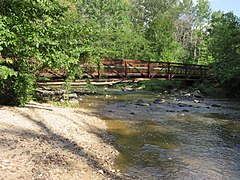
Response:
column 45, row 142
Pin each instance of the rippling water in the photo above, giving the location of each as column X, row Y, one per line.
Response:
column 178, row 139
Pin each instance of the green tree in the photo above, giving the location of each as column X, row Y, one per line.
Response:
column 191, row 30
column 225, row 49
column 154, row 20
column 35, row 36
column 109, row 28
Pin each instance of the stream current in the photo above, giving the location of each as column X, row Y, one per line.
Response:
column 170, row 137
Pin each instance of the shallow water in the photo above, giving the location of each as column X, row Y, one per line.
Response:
column 177, row 139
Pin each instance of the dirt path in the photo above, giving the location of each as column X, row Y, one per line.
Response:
column 44, row 142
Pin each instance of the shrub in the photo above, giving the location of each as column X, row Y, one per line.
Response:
column 160, row 85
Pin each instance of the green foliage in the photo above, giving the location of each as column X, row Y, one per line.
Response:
column 6, row 92
column 18, row 87
column 208, row 88
column 23, row 88
column 109, row 30
column 225, row 49
column 161, row 37
column 5, row 71
column 191, row 31
column 154, row 20
column 161, row 86
column 232, row 87
column 36, row 35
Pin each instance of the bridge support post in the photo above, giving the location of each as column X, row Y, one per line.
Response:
column 186, row 71
column 99, row 73
column 169, row 70
column 149, row 72
column 126, row 69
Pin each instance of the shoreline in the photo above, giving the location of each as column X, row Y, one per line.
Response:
column 41, row 141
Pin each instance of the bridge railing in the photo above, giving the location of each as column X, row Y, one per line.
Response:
column 126, row 68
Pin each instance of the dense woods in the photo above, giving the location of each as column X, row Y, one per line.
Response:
column 59, row 34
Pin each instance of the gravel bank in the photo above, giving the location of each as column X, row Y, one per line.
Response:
column 45, row 142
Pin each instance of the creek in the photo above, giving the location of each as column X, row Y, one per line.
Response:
column 163, row 136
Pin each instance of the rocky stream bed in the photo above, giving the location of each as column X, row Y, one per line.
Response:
column 174, row 136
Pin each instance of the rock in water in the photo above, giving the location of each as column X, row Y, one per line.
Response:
column 196, row 101
column 159, row 101
column 141, row 102
column 197, row 94
column 182, row 105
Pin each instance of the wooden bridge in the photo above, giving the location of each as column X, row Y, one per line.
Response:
column 130, row 69
column 111, row 68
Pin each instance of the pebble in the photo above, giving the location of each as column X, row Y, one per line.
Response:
column 196, row 101
column 101, row 171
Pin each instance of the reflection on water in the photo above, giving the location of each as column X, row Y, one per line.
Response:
column 203, row 143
